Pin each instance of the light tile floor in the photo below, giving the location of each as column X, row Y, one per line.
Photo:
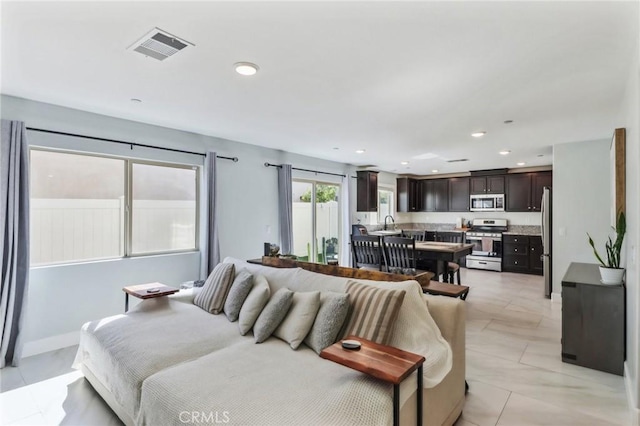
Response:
column 514, row 370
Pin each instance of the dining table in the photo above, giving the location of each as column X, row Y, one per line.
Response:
column 442, row 254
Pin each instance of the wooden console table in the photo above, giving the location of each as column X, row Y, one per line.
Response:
column 424, row 279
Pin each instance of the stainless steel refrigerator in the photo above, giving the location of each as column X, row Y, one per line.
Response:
column 546, row 240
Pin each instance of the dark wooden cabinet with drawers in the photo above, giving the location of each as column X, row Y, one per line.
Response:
column 521, row 253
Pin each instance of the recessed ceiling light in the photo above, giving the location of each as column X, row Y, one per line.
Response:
column 246, row 68
column 508, row 121
column 478, row 134
column 505, row 152
column 359, row 151
column 136, row 100
column 434, row 171
column 404, row 163
column 521, row 163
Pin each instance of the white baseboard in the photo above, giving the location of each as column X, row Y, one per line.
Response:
column 556, row 297
column 52, row 343
column 634, row 411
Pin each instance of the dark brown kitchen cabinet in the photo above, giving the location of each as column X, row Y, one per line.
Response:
column 593, row 320
column 524, row 190
column 535, row 251
column 367, row 191
column 459, row 194
column 487, row 185
column 407, row 198
column 435, row 195
column 521, row 253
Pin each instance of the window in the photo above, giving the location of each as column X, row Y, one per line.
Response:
column 316, row 218
column 385, row 204
column 79, row 207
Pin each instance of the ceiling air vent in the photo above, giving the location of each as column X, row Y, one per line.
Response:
column 460, row 160
column 159, row 44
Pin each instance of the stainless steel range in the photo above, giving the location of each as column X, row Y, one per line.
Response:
column 486, row 237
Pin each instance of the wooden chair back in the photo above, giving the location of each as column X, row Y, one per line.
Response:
column 415, row 234
column 400, row 253
column 367, row 251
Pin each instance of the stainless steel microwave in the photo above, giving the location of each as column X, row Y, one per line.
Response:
column 487, row 203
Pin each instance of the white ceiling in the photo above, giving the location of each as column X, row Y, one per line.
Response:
column 399, row 80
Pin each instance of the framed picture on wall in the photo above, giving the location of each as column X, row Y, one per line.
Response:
column 617, row 167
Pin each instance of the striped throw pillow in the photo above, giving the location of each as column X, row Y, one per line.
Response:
column 373, row 312
column 214, row 292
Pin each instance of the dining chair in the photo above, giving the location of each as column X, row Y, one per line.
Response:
column 400, row 255
column 453, row 268
column 415, row 234
column 367, row 251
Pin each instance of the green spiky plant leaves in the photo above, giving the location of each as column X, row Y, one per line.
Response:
column 613, row 248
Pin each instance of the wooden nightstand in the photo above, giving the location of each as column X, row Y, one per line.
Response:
column 386, row 363
column 142, row 291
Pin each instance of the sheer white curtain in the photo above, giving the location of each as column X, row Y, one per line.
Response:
column 345, row 241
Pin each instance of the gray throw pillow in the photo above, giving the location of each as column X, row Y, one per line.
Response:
column 272, row 314
column 238, row 293
column 215, row 289
column 253, row 305
column 334, row 308
column 296, row 325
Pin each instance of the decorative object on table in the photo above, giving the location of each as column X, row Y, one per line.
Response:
column 271, row 249
column 610, row 271
column 288, row 256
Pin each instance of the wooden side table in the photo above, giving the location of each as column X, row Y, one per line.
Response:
column 146, row 291
column 386, row 363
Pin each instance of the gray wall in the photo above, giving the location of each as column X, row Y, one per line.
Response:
column 62, row 298
column 581, row 197
column 629, row 118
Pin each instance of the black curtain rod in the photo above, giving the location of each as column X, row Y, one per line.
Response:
column 304, row 170
column 131, row 144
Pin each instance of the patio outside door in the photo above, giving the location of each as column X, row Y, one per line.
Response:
column 316, row 221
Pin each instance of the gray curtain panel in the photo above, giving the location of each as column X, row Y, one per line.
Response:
column 14, row 233
column 212, row 250
column 285, row 198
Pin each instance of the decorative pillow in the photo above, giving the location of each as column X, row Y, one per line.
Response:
column 238, row 293
column 296, row 325
column 215, row 289
column 374, row 311
column 272, row 314
column 334, row 308
column 253, row 305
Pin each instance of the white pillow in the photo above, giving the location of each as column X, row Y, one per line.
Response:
column 299, row 320
column 253, row 304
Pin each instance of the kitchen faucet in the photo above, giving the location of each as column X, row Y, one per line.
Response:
column 385, row 221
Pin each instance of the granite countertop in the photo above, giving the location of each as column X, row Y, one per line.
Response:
column 530, row 233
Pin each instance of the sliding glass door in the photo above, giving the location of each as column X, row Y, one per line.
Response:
column 316, row 221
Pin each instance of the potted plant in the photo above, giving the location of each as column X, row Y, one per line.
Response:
column 610, row 271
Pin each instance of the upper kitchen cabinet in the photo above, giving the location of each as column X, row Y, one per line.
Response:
column 524, row 190
column 487, row 185
column 459, row 194
column 408, row 197
column 367, row 191
column 434, row 195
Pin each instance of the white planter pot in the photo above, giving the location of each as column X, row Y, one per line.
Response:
column 611, row 276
